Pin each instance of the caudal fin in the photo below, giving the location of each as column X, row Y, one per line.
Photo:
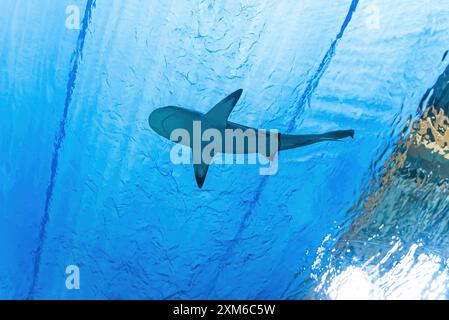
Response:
column 295, row 141
column 337, row 135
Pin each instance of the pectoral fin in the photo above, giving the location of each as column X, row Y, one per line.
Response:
column 219, row 114
column 200, row 173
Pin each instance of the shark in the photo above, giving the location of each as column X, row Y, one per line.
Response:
column 166, row 120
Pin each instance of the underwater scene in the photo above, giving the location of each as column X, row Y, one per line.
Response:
column 349, row 201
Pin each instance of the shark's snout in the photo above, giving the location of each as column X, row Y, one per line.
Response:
column 156, row 119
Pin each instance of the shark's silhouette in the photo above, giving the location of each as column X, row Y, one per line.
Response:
column 165, row 120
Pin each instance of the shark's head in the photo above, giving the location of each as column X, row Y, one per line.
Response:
column 163, row 120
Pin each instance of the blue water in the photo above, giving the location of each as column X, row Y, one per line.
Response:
column 84, row 181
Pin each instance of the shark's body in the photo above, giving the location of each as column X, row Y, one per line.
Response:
column 165, row 121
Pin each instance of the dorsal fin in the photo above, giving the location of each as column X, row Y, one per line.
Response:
column 220, row 113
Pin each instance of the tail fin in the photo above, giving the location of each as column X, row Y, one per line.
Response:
column 295, row 141
column 336, row 135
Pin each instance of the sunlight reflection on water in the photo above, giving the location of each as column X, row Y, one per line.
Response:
column 415, row 276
